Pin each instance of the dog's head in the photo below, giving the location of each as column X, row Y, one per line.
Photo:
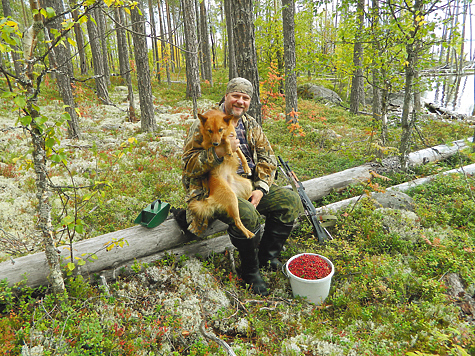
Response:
column 214, row 125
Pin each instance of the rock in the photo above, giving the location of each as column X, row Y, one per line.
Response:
column 394, row 200
column 401, row 222
column 327, row 133
column 317, row 92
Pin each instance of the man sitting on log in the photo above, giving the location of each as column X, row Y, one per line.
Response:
column 279, row 205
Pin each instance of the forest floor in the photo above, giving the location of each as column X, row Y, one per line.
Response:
column 389, row 294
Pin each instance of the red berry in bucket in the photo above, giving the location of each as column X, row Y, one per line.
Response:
column 309, row 266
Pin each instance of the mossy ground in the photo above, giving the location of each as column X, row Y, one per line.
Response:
column 388, row 295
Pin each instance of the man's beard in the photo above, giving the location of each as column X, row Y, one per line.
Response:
column 233, row 112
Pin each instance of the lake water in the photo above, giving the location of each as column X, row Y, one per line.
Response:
column 455, row 93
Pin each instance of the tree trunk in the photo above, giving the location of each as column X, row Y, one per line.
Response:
column 405, row 121
column 154, row 39
column 101, row 29
column 170, row 35
column 213, row 46
column 411, row 61
column 245, row 50
column 229, row 29
column 462, row 45
column 80, row 43
column 97, row 60
column 39, row 160
column 143, row 71
column 357, row 82
column 60, row 58
column 205, row 48
column 7, row 11
column 164, row 45
column 200, row 39
column 288, row 13
column 193, row 89
column 376, row 72
column 124, row 60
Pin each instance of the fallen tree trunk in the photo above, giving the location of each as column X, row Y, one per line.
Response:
column 146, row 245
column 317, row 188
column 444, row 112
column 470, row 169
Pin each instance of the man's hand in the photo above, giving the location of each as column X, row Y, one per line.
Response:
column 256, row 197
column 220, row 150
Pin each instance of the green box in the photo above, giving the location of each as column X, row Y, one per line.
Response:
column 153, row 215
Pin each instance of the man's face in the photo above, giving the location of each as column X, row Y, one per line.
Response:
column 236, row 103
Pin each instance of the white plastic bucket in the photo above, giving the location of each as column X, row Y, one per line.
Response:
column 315, row 290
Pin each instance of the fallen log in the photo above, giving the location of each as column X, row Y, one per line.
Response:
column 444, row 112
column 147, row 245
column 317, row 188
column 470, row 169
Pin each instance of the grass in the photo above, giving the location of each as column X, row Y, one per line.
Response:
column 388, row 295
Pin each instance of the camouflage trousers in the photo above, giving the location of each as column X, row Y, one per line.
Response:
column 281, row 205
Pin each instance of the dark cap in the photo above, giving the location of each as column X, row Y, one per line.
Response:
column 240, row 85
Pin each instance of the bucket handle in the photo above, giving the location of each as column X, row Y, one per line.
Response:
column 153, row 204
column 283, row 270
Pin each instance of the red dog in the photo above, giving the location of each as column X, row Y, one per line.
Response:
column 225, row 185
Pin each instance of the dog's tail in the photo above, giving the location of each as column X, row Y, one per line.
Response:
column 204, row 208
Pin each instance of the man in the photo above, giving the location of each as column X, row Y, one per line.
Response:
column 280, row 206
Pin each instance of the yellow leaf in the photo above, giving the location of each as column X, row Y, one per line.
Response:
column 72, row 42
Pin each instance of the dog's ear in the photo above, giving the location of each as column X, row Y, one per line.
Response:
column 202, row 118
column 227, row 118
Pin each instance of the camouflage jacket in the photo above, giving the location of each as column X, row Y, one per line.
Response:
column 197, row 162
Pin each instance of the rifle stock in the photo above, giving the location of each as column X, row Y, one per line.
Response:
column 321, row 233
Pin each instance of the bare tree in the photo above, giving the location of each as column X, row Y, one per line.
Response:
column 147, row 117
column 288, row 21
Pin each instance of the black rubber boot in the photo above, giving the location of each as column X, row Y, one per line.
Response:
column 272, row 243
column 180, row 217
column 249, row 262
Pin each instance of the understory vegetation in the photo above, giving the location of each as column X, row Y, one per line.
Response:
column 389, row 294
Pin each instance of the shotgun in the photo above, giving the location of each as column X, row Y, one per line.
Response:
column 321, row 233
